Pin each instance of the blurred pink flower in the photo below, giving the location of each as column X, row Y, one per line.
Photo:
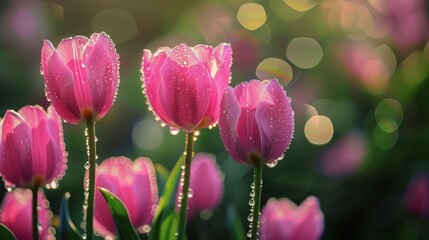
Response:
column 257, row 120
column 408, row 21
column 416, row 199
column 184, row 85
column 282, row 219
column 32, row 149
column 16, row 214
column 132, row 182
column 367, row 65
column 81, row 76
column 206, row 184
column 345, row 156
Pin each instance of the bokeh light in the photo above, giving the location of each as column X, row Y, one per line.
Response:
column 300, row 5
column 147, row 134
column 284, row 12
column 304, row 52
column 319, row 130
column 384, row 140
column 389, row 115
column 119, row 24
column 251, row 16
column 274, row 68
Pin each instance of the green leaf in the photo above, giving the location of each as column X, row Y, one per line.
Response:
column 5, row 233
column 165, row 222
column 234, row 224
column 161, row 176
column 125, row 229
column 67, row 230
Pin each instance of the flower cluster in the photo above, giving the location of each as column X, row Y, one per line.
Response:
column 186, row 88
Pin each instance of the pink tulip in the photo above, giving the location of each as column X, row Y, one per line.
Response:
column 32, row 150
column 206, row 184
column 257, row 121
column 16, row 214
column 132, row 182
column 184, row 85
column 81, row 76
column 282, row 219
column 416, row 199
column 345, row 156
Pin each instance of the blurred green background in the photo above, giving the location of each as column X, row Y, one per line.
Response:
column 357, row 72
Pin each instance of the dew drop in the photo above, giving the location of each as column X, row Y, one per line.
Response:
column 252, row 202
column 250, row 217
column 174, row 131
column 252, row 193
column 272, row 164
column 249, row 233
column 86, row 165
column 190, row 193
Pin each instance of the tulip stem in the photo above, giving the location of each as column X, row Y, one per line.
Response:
column 35, row 217
column 91, row 144
column 257, row 200
column 189, row 152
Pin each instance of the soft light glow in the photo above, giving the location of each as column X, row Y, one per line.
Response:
column 300, row 5
column 274, row 68
column 304, row 52
column 119, row 24
column 251, row 16
column 319, row 130
column 147, row 134
column 389, row 115
column 384, row 140
column 284, row 12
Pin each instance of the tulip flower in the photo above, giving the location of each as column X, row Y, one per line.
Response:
column 282, row 219
column 16, row 212
column 32, row 149
column 206, row 183
column 132, row 182
column 184, row 85
column 344, row 157
column 81, row 81
column 257, row 121
column 81, row 76
column 256, row 126
column 416, row 198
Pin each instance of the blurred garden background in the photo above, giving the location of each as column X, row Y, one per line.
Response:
column 357, row 71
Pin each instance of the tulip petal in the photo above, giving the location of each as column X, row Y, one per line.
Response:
column 59, row 83
column 35, row 118
column 204, row 53
column 16, row 164
column 184, row 87
column 228, row 122
column 275, row 122
column 249, row 95
column 151, row 65
column 101, row 66
column 220, row 64
column 56, row 149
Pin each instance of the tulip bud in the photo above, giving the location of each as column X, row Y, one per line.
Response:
column 81, row 76
column 16, row 214
column 282, row 219
column 134, row 183
column 184, row 85
column 32, row 149
column 256, row 122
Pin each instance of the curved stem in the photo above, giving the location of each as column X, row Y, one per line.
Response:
column 35, row 217
column 256, row 208
column 186, row 177
column 90, row 127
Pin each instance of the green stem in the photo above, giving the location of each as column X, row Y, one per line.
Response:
column 35, row 217
column 186, row 177
column 257, row 200
column 90, row 127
